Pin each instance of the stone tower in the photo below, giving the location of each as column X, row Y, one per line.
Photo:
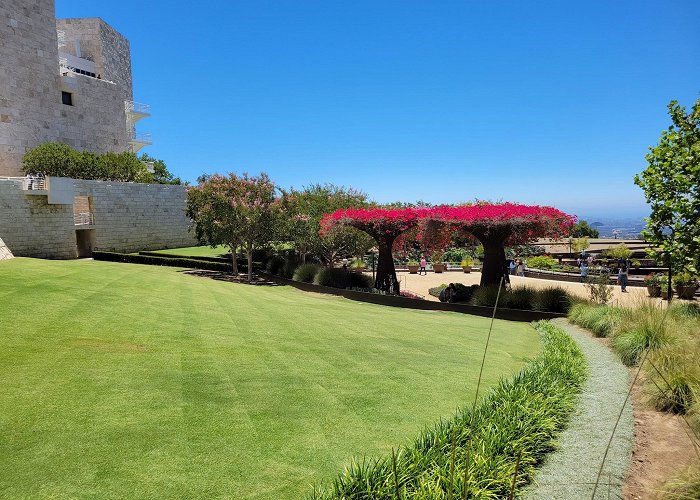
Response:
column 65, row 81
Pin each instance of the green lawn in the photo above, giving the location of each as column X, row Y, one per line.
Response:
column 128, row 381
column 202, row 251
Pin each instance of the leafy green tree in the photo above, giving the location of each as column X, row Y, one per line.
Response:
column 582, row 229
column 161, row 174
column 304, row 210
column 580, row 244
column 234, row 210
column 671, row 184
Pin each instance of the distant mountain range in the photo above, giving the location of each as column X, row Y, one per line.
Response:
column 622, row 227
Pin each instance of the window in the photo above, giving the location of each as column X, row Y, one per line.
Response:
column 67, row 98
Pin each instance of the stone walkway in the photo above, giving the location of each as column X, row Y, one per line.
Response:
column 571, row 471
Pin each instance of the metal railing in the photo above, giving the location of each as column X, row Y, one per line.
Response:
column 137, row 107
column 144, row 138
column 34, row 183
column 84, row 219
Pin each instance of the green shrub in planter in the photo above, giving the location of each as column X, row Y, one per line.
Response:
column 306, row 273
column 542, row 262
column 334, row 277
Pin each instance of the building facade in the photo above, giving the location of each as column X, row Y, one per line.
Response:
column 69, row 81
column 66, row 81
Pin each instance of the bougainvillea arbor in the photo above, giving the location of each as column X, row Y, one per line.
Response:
column 497, row 225
column 384, row 225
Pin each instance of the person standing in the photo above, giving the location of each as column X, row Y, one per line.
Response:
column 423, row 263
column 511, row 266
column 520, row 268
column 622, row 277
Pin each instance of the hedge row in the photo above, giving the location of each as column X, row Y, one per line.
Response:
column 521, row 417
column 161, row 261
column 225, row 260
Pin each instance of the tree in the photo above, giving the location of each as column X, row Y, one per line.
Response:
column 161, row 174
column 671, row 184
column 582, row 229
column 234, row 210
column 580, row 244
column 305, row 208
column 382, row 224
column 496, row 225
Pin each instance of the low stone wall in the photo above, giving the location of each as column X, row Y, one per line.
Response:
column 127, row 217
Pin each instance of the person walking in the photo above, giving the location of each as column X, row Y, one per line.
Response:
column 622, row 277
column 520, row 268
column 511, row 266
column 584, row 271
column 423, row 263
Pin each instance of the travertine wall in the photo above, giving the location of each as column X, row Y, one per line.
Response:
column 103, row 45
column 127, row 217
column 31, row 111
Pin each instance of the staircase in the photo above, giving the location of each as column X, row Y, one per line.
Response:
column 5, row 253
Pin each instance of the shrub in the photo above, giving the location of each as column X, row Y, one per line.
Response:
column 601, row 320
column 552, row 299
column 435, row 291
column 288, row 268
column 599, row 288
column 274, row 265
column 161, row 261
column 555, row 299
column 681, row 310
column 532, row 408
column 306, row 273
column 358, row 280
column 617, row 252
column 334, row 277
column 542, row 262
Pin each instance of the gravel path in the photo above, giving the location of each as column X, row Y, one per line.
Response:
column 569, row 472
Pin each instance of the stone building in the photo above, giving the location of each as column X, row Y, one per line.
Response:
column 66, row 80
column 69, row 81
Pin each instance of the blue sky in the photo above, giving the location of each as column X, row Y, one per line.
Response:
column 550, row 102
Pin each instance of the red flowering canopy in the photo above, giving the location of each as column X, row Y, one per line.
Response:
column 498, row 224
column 384, row 225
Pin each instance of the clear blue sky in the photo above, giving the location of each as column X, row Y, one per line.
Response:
column 551, row 102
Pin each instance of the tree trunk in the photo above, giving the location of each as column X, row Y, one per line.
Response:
column 494, row 266
column 234, row 263
column 249, row 253
column 386, row 273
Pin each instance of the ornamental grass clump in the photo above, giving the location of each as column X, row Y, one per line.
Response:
column 601, row 320
column 306, row 273
column 644, row 327
column 552, row 299
column 475, row 453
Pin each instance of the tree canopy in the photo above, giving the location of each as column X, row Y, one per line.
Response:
column 671, row 184
column 234, row 210
column 582, row 229
column 60, row 160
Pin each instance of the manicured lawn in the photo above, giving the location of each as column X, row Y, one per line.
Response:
column 202, row 251
column 128, row 381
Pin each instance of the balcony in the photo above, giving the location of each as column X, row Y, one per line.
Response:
column 135, row 111
column 137, row 141
column 35, row 183
column 84, row 219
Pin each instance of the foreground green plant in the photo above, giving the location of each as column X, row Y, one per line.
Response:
column 475, row 454
column 601, row 320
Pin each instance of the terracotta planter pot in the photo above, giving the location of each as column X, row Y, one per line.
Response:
column 664, row 294
column 438, row 268
column 413, row 269
column 654, row 291
column 467, row 269
column 686, row 291
column 359, row 270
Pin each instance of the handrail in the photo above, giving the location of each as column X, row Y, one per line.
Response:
column 33, row 183
column 137, row 107
column 84, row 219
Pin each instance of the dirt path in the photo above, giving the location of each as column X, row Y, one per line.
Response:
column 662, row 449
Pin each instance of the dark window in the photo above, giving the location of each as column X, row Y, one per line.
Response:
column 67, row 98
